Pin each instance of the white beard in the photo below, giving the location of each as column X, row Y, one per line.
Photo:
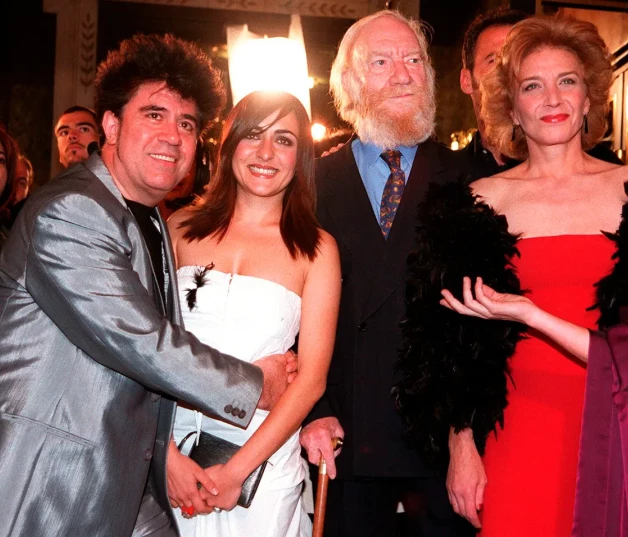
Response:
column 380, row 126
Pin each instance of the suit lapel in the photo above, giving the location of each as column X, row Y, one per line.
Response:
column 349, row 207
column 142, row 263
column 426, row 168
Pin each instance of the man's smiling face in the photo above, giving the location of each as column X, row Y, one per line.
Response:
column 151, row 147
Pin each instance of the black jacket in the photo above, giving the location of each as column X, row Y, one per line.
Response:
column 372, row 305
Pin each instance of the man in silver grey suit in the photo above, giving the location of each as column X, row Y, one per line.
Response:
column 92, row 357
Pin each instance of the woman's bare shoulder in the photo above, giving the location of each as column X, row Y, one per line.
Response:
column 327, row 246
column 178, row 217
column 619, row 176
column 491, row 189
column 175, row 221
column 487, row 188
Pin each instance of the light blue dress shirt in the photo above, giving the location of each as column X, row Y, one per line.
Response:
column 374, row 171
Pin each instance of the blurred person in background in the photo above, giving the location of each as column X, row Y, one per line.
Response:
column 8, row 168
column 21, row 185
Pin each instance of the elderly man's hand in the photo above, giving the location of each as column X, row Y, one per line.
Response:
column 317, row 439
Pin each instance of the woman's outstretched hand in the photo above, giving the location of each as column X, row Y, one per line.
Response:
column 488, row 303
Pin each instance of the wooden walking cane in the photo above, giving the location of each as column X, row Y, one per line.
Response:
column 320, row 503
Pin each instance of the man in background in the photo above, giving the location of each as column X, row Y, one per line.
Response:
column 482, row 42
column 76, row 128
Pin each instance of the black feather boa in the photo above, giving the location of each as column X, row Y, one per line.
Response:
column 612, row 290
column 454, row 368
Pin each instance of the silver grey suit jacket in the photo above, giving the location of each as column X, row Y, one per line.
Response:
column 91, row 365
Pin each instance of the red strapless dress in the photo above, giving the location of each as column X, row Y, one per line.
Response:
column 531, row 464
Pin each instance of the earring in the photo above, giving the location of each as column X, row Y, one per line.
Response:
column 586, row 124
column 514, row 133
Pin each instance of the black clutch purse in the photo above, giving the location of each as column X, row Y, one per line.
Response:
column 211, row 450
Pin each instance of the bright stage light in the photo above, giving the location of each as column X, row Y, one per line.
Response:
column 318, row 131
column 268, row 63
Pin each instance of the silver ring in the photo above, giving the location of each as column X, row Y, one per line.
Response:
column 217, row 510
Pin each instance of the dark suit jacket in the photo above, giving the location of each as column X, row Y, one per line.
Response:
column 91, row 365
column 372, row 304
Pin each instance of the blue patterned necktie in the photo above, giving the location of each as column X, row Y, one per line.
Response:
column 392, row 190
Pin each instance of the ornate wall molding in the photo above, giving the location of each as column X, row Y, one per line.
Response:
column 75, row 58
column 87, row 47
column 349, row 9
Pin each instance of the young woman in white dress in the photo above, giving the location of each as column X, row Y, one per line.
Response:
column 255, row 269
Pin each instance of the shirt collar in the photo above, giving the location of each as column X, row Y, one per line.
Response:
column 372, row 152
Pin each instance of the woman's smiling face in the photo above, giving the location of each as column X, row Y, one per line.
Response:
column 264, row 162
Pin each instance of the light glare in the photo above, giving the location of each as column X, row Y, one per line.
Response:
column 318, row 131
column 268, row 63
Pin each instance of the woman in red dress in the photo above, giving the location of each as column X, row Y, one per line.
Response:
column 545, row 104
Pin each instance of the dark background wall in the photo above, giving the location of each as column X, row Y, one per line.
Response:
column 26, row 81
column 26, row 84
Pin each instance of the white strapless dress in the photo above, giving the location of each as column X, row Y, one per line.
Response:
column 248, row 318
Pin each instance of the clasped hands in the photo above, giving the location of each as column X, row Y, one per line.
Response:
column 196, row 490
column 201, row 491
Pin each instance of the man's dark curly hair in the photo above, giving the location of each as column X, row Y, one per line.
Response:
column 141, row 59
column 496, row 17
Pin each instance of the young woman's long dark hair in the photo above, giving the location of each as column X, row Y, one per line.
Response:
column 212, row 215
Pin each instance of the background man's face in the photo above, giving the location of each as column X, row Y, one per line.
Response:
column 74, row 132
column 488, row 45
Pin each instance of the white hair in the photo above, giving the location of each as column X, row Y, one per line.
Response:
column 347, row 79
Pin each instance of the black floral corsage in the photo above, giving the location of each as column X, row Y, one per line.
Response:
column 199, row 280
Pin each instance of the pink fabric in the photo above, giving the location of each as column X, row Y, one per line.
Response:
column 601, row 506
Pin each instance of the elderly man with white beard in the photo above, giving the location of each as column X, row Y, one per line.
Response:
column 383, row 84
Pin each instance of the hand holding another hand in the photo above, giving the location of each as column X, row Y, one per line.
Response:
column 183, row 476
column 230, row 486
